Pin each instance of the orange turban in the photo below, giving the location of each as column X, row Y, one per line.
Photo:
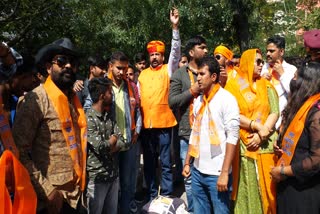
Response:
column 224, row 51
column 156, row 46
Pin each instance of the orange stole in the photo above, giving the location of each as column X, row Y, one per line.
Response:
column 61, row 106
column 5, row 132
column 294, row 131
column 195, row 135
column 25, row 198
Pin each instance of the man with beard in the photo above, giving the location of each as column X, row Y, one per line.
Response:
column 183, row 90
column 224, row 57
column 278, row 71
column 158, row 118
column 50, row 132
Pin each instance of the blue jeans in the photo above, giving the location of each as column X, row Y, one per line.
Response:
column 127, row 175
column 155, row 142
column 187, row 181
column 206, row 196
column 103, row 197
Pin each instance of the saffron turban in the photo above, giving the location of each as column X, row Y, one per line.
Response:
column 224, row 51
column 156, row 46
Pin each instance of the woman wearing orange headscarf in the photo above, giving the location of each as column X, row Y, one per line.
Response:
column 253, row 190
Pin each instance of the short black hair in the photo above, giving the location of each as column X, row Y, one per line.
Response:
column 118, row 56
column 97, row 61
column 279, row 41
column 140, row 57
column 212, row 64
column 197, row 40
column 135, row 70
column 98, row 86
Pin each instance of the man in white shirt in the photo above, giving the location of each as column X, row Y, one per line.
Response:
column 213, row 141
column 278, row 71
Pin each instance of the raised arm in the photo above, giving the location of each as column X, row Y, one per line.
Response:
column 175, row 52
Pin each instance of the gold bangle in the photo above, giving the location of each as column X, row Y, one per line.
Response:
column 252, row 127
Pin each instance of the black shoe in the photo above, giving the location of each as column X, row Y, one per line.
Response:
column 139, row 197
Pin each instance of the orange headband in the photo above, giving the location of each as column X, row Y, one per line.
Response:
column 156, row 46
column 224, row 51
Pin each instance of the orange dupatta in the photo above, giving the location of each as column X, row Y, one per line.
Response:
column 61, row 106
column 196, row 129
column 294, row 131
column 25, row 198
column 5, row 132
column 253, row 103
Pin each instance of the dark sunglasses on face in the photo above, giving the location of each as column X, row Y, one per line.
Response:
column 259, row 62
column 62, row 61
column 218, row 57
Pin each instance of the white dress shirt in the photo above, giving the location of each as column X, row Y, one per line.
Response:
column 225, row 114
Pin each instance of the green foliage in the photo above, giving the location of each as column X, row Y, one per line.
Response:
column 103, row 26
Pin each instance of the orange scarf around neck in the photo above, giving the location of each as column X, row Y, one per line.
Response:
column 196, row 129
column 294, row 131
column 61, row 106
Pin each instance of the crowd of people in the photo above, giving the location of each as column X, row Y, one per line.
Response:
column 247, row 132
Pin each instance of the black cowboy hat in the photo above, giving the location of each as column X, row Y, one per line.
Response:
column 60, row 46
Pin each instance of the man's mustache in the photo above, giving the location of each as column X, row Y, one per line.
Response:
column 67, row 71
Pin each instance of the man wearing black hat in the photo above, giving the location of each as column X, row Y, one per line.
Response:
column 312, row 44
column 50, row 132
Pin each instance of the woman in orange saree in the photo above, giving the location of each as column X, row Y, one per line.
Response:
column 253, row 190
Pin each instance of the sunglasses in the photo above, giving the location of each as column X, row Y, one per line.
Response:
column 62, row 61
column 259, row 62
column 218, row 57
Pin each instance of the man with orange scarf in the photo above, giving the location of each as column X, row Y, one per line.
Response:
column 50, row 132
column 224, row 56
column 253, row 189
column 158, row 119
column 213, row 140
